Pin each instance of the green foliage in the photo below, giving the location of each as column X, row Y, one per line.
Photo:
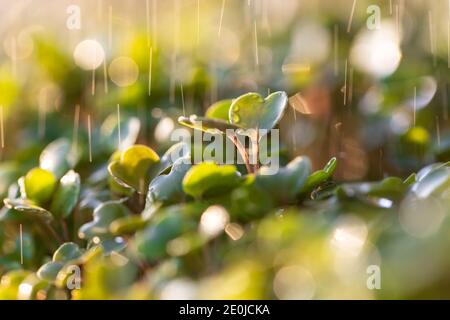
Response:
column 251, row 111
column 66, row 195
column 285, row 184
column 208, row 179
column 103, row 215
column 133, row 166
column 141, row 221
column 39, row 185
column 219, row 110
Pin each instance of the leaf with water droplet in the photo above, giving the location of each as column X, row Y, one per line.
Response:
column 252, row 111
column 171, row 222
column 435, row 182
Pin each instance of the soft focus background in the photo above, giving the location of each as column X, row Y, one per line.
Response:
column 375, row 96
column 376, row 99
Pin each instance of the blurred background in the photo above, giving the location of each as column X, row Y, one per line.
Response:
column 367, row 80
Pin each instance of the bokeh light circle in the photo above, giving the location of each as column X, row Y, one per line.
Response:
column 20, row 46
column 123, row 71
column 89, row 54
column 377, row 52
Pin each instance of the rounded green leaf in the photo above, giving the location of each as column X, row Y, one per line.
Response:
column 39, row 185
column 252, row 111
column 109, row 244
column 151, row 242
column 434, row 182
column 167, row 187
column 175, row 152
column 104, row 214
column 49, row 270
column 219, row 110
column 66, row 252
column 285, row 184
column 248, row 202
column 132, row 169
column 66, row 195
column 28, row 207
column 207, row 179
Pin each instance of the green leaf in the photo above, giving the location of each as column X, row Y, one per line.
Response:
column 39, row 185
column 391, row 187
column 151, row 243
column 28, row 207
column 66, row 195
column 219, row 110
column 379, row 194
column 49, row 270
column 132, row 169
column 127, row 225
column 434, row 182
column 252, row 111
column 104, row 214
column 58, row 157
column 66, row 252
column 167, row 187
column 109, row 244
column 207, row 179
column 129, row 131
column 320, row 176
column 287, row 182
column 213, row 126
column 175, row 152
